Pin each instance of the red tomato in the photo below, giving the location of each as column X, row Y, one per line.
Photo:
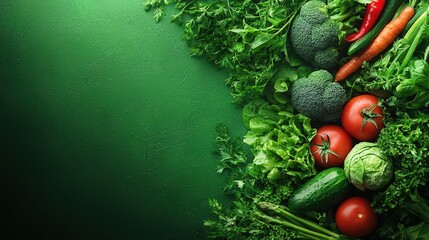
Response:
column 362, row 117
column 330, row 146
column 355, row 217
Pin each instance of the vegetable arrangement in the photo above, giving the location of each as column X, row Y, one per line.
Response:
column 387, row 14
column 335, row 98
column 386, row 37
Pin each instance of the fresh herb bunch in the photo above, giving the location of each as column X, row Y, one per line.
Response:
column 405, row 140
column 158, row 6
column 403, row 205
column 247, row 37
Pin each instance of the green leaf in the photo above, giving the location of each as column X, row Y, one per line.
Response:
column 261, row 126
column 418, row 206
column 407, row 88
column 238, row 47
column 158, row 13
column 418, row 232
column 420, row 72
column 261, row 40
column 243, row 31
column 281, row 85
column 421, row 99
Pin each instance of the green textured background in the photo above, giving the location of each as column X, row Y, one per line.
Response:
column 107, row 123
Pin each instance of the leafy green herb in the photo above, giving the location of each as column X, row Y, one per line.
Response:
column 230, row 150
column 419, row 231
column 233, row 161
column 405, row 140
column 418, row 206
column 394, row 228
column 246, row 37
column 157, row 5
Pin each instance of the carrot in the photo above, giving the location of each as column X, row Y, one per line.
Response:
column 386, row 37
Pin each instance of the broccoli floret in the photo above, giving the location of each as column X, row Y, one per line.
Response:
column 321, row 76
column 318, row 96
column 334, row 91
column 327, row 58
column 301, row 32
column 316, row 12
column 325, row 35
column 313, row 32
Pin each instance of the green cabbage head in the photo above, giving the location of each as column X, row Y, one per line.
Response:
column 367, row 168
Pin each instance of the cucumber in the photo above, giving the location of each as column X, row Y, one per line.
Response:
column 389, row 10
column 321, row 192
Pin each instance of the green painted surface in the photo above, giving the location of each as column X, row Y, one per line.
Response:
column 107, row 123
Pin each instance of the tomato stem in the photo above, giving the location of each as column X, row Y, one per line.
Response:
column 369, row 115
column 324, row 149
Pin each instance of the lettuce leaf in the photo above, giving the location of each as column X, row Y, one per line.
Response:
column 280, row 142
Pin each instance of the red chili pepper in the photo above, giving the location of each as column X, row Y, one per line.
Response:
column 372, row 13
